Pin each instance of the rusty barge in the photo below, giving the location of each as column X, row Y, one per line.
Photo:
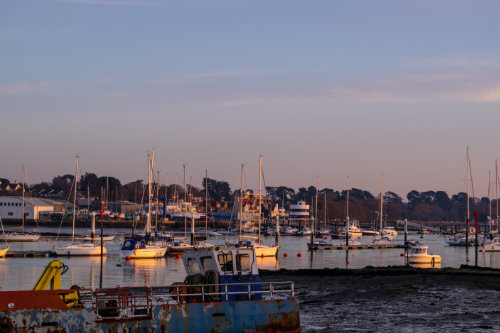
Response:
column 222, row 292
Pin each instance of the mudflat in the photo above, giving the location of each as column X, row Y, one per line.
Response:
column 399, row 299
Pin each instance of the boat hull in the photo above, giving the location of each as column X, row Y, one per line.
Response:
column 238, row 316
column 425, row 259
column 266, row 251
column 156, row 252
column 79, row 250
column 492, row 247
column 20, row 238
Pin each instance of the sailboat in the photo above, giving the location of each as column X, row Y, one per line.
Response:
column 3, row 251
column 387, row 232
column 78, row 249
column 134, row 248
column 16, row 236
column 262, row 250
column 460, row 239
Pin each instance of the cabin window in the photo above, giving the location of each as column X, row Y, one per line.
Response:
column 243, row 262
column 193, row 267
column 10, row 214
column 226, row 262
column 208, row 264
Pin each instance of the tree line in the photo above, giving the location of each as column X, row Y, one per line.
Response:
column 363, row 206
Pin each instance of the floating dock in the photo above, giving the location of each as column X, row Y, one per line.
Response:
column 30, row 254
column 357, row 247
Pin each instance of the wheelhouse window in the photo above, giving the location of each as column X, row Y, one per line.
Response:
column 208, row 264
column 193, row 266
column 226, row 262
column 243, row 262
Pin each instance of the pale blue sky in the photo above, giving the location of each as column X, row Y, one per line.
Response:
column 328, row 88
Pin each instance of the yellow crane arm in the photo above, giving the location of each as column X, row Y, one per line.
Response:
column 51, row 276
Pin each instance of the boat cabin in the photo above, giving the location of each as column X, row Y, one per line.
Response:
column 132, row 244
column 231, row 266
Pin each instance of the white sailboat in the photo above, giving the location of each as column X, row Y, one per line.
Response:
column 387, row 231
column 260, row 249
column 3, row 251
column 78, row 249
column 144, row 248
column 22, row 236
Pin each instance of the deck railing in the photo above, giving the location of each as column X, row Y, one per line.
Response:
column 133, row 302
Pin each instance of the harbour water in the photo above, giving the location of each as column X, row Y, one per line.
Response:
column 22, row 273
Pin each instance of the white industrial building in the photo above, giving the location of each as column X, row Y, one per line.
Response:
column 11, row 207
column 299, row 212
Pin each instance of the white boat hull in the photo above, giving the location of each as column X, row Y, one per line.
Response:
column 265, row 251
column 15, row 237
column 492, row 247
column 425, row 259
column 79, row 250
column 148, row 252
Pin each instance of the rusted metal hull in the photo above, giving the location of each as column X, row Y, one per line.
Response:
column 239, row 316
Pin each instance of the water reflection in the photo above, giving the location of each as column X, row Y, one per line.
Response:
column 269, row 263
column 426, row 265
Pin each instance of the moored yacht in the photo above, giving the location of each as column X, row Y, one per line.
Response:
column 389, row 231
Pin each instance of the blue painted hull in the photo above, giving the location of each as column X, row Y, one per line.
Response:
column 248, row 316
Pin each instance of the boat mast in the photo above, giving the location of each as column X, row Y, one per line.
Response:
column 150, row 170
column 206, row 203
column 316, row 200
column 260, row 192
column 185, row 191
column 467, row 217
column 496, row 190
column 324, row 208
column 347, row 209
column 23, row 200
column 74, row 201
column 241, row 198
column 381, row 201
column 489, row 198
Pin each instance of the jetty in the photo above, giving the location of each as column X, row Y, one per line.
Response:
column 30, row 254
column 357, row 247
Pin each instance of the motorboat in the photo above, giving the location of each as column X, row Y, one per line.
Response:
column 320, row 245
column 418, row 255
column 382, row 240
column 389, row 231
column 493, row 245
column 352, row 242
column 370, row 232
column 79, row 249
column 288, row 231
column 304, row 232
column 133, row 248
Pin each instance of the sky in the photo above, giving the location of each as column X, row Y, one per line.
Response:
column 322, row 89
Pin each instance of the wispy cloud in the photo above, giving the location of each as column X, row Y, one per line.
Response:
column 14, row 89
column 111, row 2
column 23, row 88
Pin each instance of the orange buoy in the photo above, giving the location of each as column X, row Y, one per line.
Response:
column 47, row 240
column 402, row 254
column 299, row 255
column 178, row 256
column 285, row 255
column 348, row 262
column 480, row 250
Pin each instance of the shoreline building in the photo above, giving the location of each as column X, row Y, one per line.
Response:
column 299, row 213
column 11, row 207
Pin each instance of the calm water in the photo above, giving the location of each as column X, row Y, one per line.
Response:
column 22, row 273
